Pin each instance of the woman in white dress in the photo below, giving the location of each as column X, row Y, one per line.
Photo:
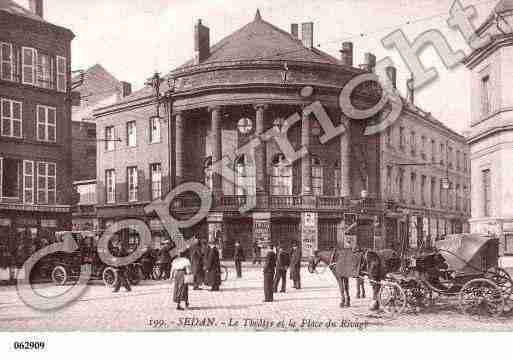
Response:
column 180, row 267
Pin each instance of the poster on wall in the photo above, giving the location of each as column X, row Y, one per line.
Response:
column 309, row 232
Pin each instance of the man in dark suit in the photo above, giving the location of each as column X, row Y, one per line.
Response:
column 238, row 257
column 197, row 263
column 269, row 269
column 295, row 266
column 283, row 262
column 122, row 275
column 213, row 268
column 256, row 254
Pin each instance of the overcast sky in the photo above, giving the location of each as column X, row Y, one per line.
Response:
column 133, row 38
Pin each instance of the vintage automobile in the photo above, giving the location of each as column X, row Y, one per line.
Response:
column 462, row 266
column 65, row 267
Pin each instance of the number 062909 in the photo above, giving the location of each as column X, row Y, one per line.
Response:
column 28, row 345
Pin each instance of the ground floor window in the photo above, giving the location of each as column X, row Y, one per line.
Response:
column 281, row 176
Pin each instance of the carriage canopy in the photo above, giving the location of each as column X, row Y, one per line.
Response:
column 469, row 253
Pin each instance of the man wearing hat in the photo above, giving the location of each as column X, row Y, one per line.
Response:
column 196, row 253
column 238, row 257
column 282, row 264
column 213, row 267
column 269, row 269
column 295, row 266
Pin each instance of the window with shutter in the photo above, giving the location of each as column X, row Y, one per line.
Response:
column 29, row 65
column 6, row 61
column 62, row 82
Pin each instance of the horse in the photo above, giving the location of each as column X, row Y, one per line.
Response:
column 374, row 264
column 330, row 259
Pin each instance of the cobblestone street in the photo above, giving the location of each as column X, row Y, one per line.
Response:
column 238, row 306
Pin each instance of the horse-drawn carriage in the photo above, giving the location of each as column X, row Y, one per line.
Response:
column 463, row 266
column 66, row 266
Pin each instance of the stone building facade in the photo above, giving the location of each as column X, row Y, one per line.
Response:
column 35, row 134
column 491, row 131
column 232, row 94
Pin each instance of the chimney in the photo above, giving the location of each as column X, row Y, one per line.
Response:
column 201, row 42
column 392, row 75
column 126, row 89
column 346, row 53
column 307, row 34
column 369, row 63
column 36, row 6
column 410, row 91
column 294, row 30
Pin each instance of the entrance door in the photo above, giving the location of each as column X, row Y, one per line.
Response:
column 284, row 232
column 240, row 230
column 327, row 234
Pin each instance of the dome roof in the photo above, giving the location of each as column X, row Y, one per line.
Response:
column 260, row 40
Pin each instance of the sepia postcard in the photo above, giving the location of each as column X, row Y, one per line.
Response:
column 255, row 166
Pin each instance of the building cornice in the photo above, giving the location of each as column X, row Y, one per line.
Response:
column 478, row 55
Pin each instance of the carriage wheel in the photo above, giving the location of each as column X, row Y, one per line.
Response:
column 418, row 295
column 481, row 297
column 224, row 273
column 505, row 283
column 156, row 273
column 135, row 275
column 110, row 276
column 392, row 298
column 59, row 275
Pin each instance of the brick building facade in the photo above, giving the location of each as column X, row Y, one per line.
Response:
column 256, row 79
column 35, row 145
column 98, row 88
column 491, row 135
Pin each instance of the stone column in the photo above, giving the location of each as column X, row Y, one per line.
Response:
column 217, row 150
column 260, row 152
column 306, row 172
column 345, row 160
column 179, row 149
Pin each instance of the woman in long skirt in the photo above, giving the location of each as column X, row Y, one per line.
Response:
column 181, row 266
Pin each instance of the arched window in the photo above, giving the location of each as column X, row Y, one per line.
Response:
column 207, row 173
column 317, row 176
column 337, row 179
column 281, row 176
column 244, row 176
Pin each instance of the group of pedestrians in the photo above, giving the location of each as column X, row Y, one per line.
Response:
column 198, row 265
column 275, row 270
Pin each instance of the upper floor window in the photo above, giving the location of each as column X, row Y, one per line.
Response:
column 423, row 190
column 401, row 137
column 458, row 160
column 62, row 82
column 465, row 165
column 46, row 177
column 46, row 123
column 413, row 143
column 400, row 180
column 44, row 71
column 317, row 177
column 433, row 190
column 449, row 156
column 110, row 185
column 485, row 96
column 110, row 142
column 244, row 176
column 10, row 177
column 487, row 194
column 11, row 118
column 433, row 151
column 156, row 181
column 423, row 147
column 388, row 136
column 337, row 179
column 281, row 176
column 28, row 181
column 208, row 174
column 154, row 130
column 131, row 132
column 132, row 183
column 29, row 65
column 442, row 153
column 413, row 180
column 388, row 184
column 7, row 63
